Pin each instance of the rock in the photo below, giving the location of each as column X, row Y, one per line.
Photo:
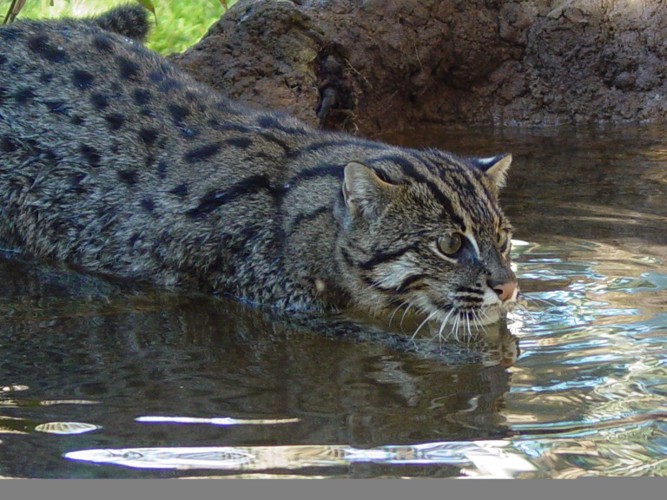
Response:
column 375, row 65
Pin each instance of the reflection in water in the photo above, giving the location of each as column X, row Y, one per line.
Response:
column 488, row 459
column 142, row 356
column 105, row 379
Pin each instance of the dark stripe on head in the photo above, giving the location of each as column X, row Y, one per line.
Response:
column 410, row 171
column 470, row 299
column 381, row 258
column 471, row 174
column 413, row 282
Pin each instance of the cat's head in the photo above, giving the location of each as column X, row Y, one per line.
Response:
column 424, row 230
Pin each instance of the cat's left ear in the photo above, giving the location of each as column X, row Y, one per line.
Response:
column 495, row 167
column 364, row 192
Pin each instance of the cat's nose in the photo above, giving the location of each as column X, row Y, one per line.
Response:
column 505, row 291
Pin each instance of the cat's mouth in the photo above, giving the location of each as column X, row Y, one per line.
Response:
column 463, row 318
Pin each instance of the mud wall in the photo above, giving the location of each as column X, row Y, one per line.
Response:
column 369, row 66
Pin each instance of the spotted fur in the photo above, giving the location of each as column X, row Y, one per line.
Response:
column 114, row 160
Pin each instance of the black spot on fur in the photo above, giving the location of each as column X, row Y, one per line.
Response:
column 41, row 45
column 115, row 121
column 24, row 96
column 148, row 205
column 91, row 155
column 82, row 79
column 169, row 85
column 178, row 113
column 57, row 107
column 75, row 182
column 102, row 43
column 129, row 176
column 8, row 144
column 49, row 155
column 45, row 78
column 3, row 59
column 162, row 169
column 128, row 69
column 239, row 142
column 133, row 239
column 156, row 76
column 100, row 101
column 148, row 135
column 202, row 153
column 181, row 191
column 141, row 96
column 77, row 120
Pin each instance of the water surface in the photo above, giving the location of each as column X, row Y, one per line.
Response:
column 107, row 379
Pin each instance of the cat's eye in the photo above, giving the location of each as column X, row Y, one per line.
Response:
column 449, row 244
column 504, row 241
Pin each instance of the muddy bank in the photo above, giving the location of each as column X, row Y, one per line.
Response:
column 376, row 65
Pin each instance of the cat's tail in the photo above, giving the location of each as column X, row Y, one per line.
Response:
column 128, row 20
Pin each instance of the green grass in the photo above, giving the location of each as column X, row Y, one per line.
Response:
column 180, row 23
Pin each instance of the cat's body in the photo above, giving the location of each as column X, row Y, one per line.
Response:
column 113, row 160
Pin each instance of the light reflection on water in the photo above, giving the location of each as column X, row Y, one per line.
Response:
column 489, row 458
column 101, row 380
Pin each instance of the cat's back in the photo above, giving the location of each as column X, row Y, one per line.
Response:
column 106, row 95
column 114, row 159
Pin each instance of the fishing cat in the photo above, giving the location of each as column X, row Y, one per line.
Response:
column 115, row 161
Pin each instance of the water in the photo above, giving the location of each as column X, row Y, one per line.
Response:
column 106, row 379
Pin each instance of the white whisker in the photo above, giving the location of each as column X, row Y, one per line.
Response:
column 479, row 320
column 428, row 318
column 391, row 318
column 455, row 328
column 443, row 324
column 403, row 317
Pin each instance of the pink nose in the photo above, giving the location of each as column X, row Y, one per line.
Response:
column 506, row 291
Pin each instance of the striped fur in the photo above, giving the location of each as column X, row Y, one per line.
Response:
column 115, row 161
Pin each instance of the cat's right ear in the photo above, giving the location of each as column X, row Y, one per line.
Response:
column 495, row 167
column 364, row 192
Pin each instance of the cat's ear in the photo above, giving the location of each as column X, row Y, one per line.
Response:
column 364, row 192
column 495, row 167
